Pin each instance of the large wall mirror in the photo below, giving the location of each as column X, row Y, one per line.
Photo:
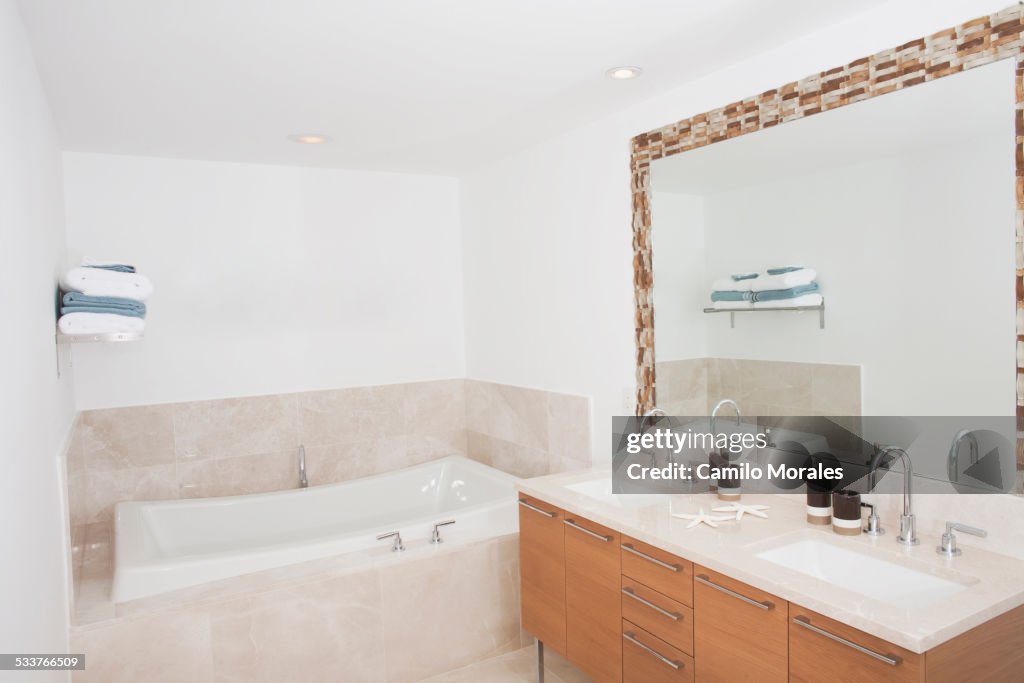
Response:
column 890, row 221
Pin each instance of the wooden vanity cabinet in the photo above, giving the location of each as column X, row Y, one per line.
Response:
column 592, row 599
column 625, row 611
column 542, row 571
column 740, row 632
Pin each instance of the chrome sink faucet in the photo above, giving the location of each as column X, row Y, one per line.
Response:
column 947, row 546
column 908, row 527
column 718, row 406
column 952, row 464
column 303, row 481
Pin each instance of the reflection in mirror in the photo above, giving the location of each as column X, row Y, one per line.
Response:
column 903, row 206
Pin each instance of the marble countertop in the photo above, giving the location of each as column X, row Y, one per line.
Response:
column 994, row 583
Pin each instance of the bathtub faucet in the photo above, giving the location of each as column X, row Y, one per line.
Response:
column 435, row 537
column 303, row 481
column 397, row 546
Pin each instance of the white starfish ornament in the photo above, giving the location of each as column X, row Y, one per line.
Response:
column 740, row 509
column 703, row 517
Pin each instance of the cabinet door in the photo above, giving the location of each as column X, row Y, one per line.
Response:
column 647, row 659
column 740, row 633
column 593, row 599
column 542, row 571
column 822, row 649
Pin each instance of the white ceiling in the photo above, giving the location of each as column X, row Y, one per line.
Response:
column 431, row 86
column 952, row 110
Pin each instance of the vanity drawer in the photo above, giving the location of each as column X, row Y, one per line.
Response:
column 664, row 572
column 647, row 659
column 658, row 614
column 822, row 649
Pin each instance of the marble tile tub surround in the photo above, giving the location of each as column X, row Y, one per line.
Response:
column 526, row 432
column 249, row 445
column 760, row 387
column 395, row 619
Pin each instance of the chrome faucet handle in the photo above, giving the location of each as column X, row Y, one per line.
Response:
column 947, row 546
column 874, row 527
column 435, row 537
column 397, row 546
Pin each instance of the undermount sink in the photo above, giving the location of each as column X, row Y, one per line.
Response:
column 872, row 577
column 601, row 489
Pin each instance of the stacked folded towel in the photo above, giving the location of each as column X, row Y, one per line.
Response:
column 103, row 297
column 782, row 287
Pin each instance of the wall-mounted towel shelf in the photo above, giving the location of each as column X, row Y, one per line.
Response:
column 106, row 337
column 62, row 339
column 733, row 311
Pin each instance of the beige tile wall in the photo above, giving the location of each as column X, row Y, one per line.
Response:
column 526, row 432
column 693, row 386
column 249, row 445
column 403, row 621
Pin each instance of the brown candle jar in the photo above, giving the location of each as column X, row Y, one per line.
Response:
column 846, row 513
column 717, row 460
column 819, row 507
column 729, row 489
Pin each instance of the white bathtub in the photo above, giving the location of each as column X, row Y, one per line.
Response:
column 162, row 546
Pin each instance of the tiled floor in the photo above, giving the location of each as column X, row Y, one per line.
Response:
column 515, row 667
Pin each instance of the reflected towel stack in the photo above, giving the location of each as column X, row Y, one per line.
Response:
column 782, row 287
column 103, row 297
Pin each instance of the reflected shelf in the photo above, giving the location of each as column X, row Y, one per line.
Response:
column 104, row 337
column 820, row 308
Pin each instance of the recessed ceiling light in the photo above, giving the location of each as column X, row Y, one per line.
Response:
column 308, row 139
column 624, row 73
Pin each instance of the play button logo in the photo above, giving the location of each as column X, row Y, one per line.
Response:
column 988, row 470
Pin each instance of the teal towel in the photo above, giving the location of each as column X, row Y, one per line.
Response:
column 76, row 302
column 778, row 294
column 64, row 310
column 783, row 270
column 731, row 296
column 116, row 267
column 743, row 276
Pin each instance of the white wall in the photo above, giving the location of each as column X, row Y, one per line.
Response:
column 547, row 230
column 269, row 279
column 35, row 405
column 680, row 276
column 915, row 258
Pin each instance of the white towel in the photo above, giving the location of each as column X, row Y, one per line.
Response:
column 99, row 282
column 813, row 299
column 764, row 282
column 99, row 323
column 731, row 305
column 727, row 284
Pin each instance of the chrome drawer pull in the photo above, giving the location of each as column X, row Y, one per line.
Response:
column 630, row 549
column 891, row 660
column 588, row 532
column 535, row 508
column 767, row 604
column 671, row 662
column 674, row 616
